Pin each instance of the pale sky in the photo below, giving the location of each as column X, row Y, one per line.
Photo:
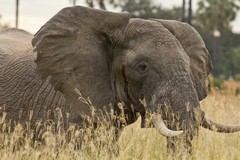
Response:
column 35, row 13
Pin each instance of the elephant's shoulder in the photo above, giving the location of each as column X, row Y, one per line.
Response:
column 14, row 44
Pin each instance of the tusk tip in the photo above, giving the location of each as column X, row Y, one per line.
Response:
column 160, row 125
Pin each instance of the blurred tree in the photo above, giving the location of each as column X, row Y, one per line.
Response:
column 91, row 3
column 233, row 64
column 216, row 14
column 146, row 9
column 17, row 13
column 140, row 8
column 187, row 19
column 224, row 50
column 183, row 11
column 189, row 12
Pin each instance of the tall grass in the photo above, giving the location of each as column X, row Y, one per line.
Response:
column 134, row 142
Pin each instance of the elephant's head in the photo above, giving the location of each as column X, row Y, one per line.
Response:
column 112, row 58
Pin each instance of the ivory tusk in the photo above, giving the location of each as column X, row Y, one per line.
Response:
column 160, row 125
column 213, row 126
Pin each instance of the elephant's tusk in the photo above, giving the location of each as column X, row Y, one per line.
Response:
column 160, row 125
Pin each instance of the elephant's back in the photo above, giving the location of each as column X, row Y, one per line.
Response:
column 21, row 90
column 16, row 63
column 14, row 41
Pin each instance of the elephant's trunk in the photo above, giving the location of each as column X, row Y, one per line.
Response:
column 185, row 105
column 190, row 113
column 181, row 110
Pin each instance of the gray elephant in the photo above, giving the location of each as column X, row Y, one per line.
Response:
column 110, row 58
column 21, row 89
column 25, row 97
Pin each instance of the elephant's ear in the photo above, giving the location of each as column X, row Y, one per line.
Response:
column 74, row 48
column 194, row 46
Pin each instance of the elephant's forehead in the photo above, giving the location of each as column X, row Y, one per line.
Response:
column 151, row 50
column 146, row 39
column 141, row 34
column 147, row 29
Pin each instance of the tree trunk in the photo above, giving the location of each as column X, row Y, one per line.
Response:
column 17, row 8
column 183, row 11
column 190, row 12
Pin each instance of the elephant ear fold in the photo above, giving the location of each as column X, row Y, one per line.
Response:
column 194, row 46
column 74, row 49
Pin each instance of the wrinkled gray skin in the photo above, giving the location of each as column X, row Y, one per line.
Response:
column 109, row 58
column 21, row 89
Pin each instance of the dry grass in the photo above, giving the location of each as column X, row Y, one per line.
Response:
column 134, row 143
column 232, row 87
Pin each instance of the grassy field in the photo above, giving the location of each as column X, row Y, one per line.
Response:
column 134, row 143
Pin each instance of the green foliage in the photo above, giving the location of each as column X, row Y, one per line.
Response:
column 216, row 14
column 146, row 9
column 237, row 77
column 139, row 8
column 228, row 54
column 218, row 83
column 234, row 61
column 215, row 83
column 224, row 51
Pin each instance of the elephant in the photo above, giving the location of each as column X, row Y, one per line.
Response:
column 21, row 89
column 24, row 96
column 152, row 66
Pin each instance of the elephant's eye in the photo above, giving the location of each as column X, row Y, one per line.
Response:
column 142, row 67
